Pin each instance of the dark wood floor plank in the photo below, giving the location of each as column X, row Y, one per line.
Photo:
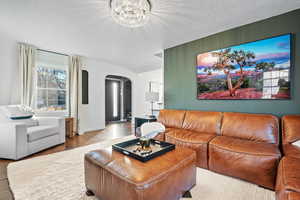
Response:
column 3, row 174
column 5, row 193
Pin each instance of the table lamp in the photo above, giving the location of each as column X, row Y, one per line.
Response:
column 152, row 97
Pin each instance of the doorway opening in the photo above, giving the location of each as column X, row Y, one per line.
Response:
column 118, row 101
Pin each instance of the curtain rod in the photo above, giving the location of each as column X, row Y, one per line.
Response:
column 53, row 52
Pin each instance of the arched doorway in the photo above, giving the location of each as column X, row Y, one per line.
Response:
column 118, row 99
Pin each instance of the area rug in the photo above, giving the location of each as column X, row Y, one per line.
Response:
column 60, row 176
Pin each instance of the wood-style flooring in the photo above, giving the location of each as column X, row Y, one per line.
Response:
column 112, row 131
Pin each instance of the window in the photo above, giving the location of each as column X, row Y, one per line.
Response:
column 51, row 82
column 115, row 100
column 272, row 82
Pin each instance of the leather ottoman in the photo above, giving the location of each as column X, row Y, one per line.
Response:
column 110, row 175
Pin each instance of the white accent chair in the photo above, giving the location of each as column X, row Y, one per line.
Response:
column 19, row 139
column 152, row 129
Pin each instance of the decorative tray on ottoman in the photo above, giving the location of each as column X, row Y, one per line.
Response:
column 133, row 148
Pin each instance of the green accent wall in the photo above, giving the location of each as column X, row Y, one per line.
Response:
column 180, row 68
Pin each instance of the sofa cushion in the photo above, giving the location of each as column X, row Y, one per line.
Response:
column 293, row 196
column 38, row 132
column 193, row 140
column 16, row 112
column 5, row 118
column 245, row 146
column 254, row 127
column 252, row 161
column 290, row 128
column 291, row 150
column 171, row 118
column 189, row 136
column 202, row 121
column 28, row 122
column 291, row 135
column 169, row 129
column 287, row 195
column 161, row 136
column 288, row 178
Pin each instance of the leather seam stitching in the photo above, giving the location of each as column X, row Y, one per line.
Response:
column 253, row 154
column 221, row 123
column 183, row 119
column 283, row 173
column 191, row 142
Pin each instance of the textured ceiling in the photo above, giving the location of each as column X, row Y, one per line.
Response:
column 85, row 27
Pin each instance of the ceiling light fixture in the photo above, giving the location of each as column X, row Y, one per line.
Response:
column 130, row 13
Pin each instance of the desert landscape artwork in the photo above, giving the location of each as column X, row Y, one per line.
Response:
column 255, row 70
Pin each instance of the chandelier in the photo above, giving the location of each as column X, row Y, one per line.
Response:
column 130, row 13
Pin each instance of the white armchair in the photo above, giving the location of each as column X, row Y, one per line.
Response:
column 18, row 140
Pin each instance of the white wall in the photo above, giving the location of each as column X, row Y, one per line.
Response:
column 143, row 79
column 92, row 116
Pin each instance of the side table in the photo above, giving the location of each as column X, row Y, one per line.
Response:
column 69, row 127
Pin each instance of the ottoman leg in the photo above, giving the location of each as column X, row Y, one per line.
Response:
column 89, row 193
column 187, row 194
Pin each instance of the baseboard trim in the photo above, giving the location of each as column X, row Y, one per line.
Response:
column 90, row 131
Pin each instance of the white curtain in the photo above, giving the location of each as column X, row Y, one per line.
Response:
column 27, row 57
column 75, row 65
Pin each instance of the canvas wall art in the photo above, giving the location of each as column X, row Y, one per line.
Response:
column 255, row 70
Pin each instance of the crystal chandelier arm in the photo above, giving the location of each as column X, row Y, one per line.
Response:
column 149, row 2
column 130, row 13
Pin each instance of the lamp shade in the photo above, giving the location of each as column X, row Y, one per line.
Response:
column 152, row 96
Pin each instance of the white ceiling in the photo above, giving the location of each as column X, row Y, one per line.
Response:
column 85, row 27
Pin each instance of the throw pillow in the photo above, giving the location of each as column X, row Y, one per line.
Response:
column 297, row 143
column 17, row 112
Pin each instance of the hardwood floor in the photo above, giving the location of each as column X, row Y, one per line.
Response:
column 112, row 131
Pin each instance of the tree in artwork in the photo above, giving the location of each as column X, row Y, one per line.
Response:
column 226, row 61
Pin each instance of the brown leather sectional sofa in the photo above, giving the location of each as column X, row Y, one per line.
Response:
column 240, row 145
column 288, row 178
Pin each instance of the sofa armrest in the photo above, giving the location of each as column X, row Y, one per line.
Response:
column 13, row 140
column 55, row 121
column 49, row 120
